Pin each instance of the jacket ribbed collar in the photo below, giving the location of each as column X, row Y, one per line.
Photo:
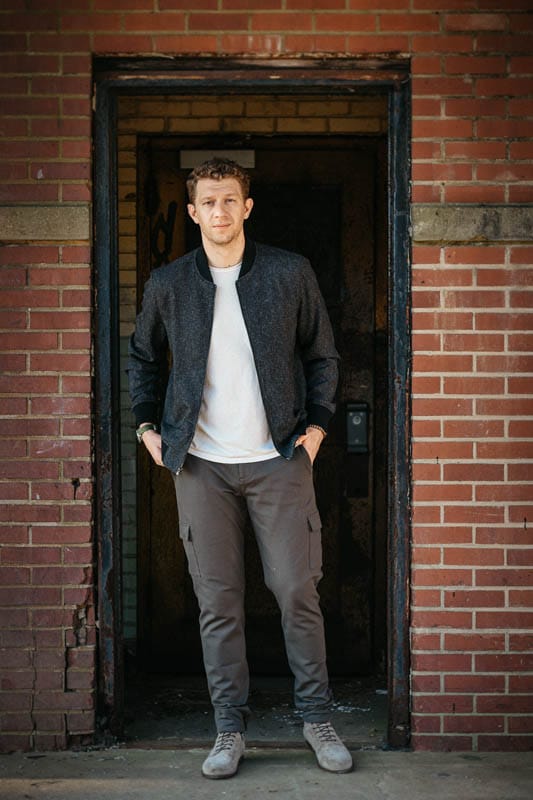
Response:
column 248, row 259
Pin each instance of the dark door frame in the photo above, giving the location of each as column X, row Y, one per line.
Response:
column 120, row 76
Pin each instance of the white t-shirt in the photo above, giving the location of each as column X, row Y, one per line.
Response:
column 232, row 426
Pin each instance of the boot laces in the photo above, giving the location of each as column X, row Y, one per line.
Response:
column 225, row 741
column 325, row 732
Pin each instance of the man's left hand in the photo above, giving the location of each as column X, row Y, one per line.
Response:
column 311, row 440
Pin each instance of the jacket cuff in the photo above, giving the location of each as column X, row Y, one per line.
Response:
column 318, row 415
column 145, row 412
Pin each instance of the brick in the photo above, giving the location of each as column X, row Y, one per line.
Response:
column 427, row 742
column 59, row 362
column 474, row 683
column 473, row 514
column 473, row 472
column 522, row 725
column 28, row 470
column 441, row 619
column 15, row 534
column 520, row 472
column 520, row 641
column 475, row 642
column 28, row 297
column 442, row 128
column 59, row 320
column 454, row 43
column 426, row 515
column 31, row 555
column 444, row 320
column 503, row 577
column 80, row 722
column 11, row 362
column 475, row 22
column 29, row 513
column 197, row 43
column 521, row 683
column 377, row 43
column 57, row 42
column 520, row 558
column 13, row 618
column 425, row 724
column 472, row 385
column 474, row 724
column 426, row 555
column 505, row 535
column 446, row 363
column 48, row 721
column 474, row 107
column 127, row 43
column 445, row 535
column 62, row 534
column 442, row 577
column 61, row 576
column 504, row 493
column 522, row 598
column 474, row 599
column 442, row 492
column 505, row 450
column 504, row 619
column 447, row 703
column 474, row 193
column 425, row 641
column 160, row 21
column 504, row 277
column 425, row 683
column 475, row 65
column 441, row 662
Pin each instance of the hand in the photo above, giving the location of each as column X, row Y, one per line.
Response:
column 311, row 441
column 152, row 442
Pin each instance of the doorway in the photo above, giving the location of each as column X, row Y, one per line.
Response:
column 324, row 197
column 363, row 528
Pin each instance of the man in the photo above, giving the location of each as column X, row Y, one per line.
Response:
column 247, row 404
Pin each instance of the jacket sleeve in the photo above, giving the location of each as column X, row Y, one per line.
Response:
column 147, row 360
column 317, row 350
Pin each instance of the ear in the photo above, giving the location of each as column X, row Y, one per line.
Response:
column 248, row 205
column 191, row 208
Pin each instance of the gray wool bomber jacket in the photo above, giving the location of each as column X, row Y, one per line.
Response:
column 289, row 331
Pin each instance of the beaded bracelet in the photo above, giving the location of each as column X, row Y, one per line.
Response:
column 318, row 428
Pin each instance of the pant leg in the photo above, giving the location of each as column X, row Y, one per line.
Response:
column 282, row 506
column 212, row 516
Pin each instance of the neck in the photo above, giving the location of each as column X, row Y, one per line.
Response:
column 224, row 255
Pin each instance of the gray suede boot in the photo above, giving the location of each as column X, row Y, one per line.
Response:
column 224, row 759
column 331, row 754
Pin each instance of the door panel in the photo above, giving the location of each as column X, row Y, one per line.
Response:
column 322, row 198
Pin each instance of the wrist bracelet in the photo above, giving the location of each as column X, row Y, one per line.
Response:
column 318, row 428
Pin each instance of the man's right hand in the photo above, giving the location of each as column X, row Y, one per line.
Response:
column 152, row 442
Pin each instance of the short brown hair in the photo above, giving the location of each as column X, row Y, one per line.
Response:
column 218, row 168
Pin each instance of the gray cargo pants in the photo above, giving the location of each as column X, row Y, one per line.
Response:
column 280, row 499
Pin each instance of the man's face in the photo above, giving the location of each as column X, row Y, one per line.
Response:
column 220, row 209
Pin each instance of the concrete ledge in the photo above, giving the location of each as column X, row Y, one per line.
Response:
column 58, row 222
column 451, row 224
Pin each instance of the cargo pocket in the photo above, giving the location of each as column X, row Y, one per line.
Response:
column 186, row 537
column 314, row 525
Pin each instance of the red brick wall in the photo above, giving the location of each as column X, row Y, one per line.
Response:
column 472, row 368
